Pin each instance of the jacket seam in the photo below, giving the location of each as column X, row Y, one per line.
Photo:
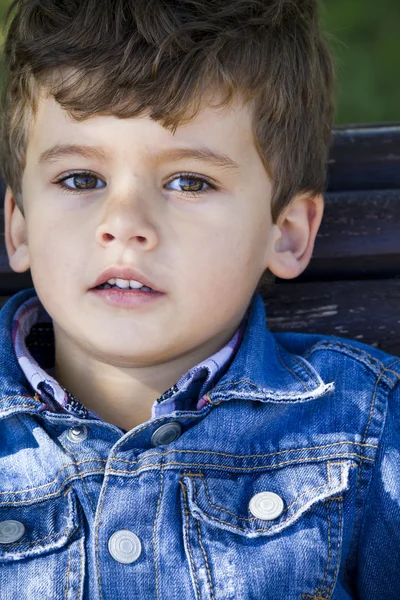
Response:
column 290, row 370
column 353, row 545
column 261, row 529
column 154, row 536
column 319, row 592
column 359, row 355
column 134, row 462
column 68, row 571
column 204, row 553
column 82, row 479
column 186, row 534
column 241, row 469
column 240, row 518
column 57, row 474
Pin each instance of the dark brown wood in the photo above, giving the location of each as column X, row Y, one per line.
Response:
column 367, row 311
column 359, row 236
column 364, row 157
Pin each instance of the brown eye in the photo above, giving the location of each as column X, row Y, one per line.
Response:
column 80, row 182
column 85, row 182
column 194, row 185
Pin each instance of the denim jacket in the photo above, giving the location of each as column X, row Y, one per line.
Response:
column 284, row 486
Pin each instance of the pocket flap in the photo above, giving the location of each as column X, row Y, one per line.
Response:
column 41, row 526
column 224, row 501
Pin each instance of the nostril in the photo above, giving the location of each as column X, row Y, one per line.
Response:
column 108, row 237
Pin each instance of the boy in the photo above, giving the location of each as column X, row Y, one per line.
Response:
column 157, row 440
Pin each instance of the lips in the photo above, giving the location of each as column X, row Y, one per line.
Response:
column 126, row 273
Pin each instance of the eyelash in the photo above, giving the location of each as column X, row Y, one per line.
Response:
column 68, row 190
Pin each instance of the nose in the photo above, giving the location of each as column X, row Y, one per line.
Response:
column 128, row 225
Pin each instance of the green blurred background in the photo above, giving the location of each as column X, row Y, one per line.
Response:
column 365, row 38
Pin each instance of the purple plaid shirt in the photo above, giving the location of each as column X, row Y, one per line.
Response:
column 33, row 337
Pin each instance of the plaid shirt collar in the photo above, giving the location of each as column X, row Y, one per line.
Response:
column 33, row 338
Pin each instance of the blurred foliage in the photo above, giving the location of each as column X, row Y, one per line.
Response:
column 364, row 37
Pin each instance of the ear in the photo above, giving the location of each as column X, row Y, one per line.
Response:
column 15, row 234
column 295, row 233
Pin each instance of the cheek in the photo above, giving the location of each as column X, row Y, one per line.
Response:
column 232, row 252
column 53, row 257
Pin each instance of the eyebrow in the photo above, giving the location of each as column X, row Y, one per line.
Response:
column 204, row 154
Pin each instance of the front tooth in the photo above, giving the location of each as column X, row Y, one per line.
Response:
column 135, row 285
column 122, row 283
column 111, row 281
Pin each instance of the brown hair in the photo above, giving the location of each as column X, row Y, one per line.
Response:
column 122, row 57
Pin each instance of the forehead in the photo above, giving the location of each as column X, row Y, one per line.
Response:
column 226, row 129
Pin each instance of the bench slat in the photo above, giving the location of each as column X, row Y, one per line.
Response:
column 367, row 311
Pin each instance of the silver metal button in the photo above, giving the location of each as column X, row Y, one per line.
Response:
column 11, row 531
column 266, row 506
column 166, row 434
column 124, row 546
column 77, row 434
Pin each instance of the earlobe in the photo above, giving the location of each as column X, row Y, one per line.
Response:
column 295, row 234
column 15, row 234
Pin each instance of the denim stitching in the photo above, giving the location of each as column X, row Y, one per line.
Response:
column 247, row 469
column 346, row 566
column 336, row 344
column 69, row 566
column 57, row 474
column 68, row 570
column 373, row 402
column 233, row 468
column 304, row 366
column 204, row 553
column 147, row 425
column 288, row 369
column 134, row 462
column 229, row 383
column 245, row 456
column 339, row 505
column 329, row 542
column 241, row 528
column 56, row 493
column 18, row 396
column 354, row 352
column 50, row 536
column 287, row 508
column 103, row 494
column 319, row 593
column 186, row 530
column 21, row 405
column 155, row 530
column 81, row 563
column 80, row 476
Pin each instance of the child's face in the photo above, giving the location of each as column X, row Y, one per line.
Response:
column 206, row 252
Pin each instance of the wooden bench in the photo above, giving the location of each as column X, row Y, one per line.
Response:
column 352, row 285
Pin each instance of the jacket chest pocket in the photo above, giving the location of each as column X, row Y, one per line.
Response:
column 271, row 535
column 41, row 549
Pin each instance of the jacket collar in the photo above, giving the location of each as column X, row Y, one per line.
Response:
column 265, row 371
column 262, row 369
column 15, row 392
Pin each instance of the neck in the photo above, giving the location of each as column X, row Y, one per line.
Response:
column 121, row 395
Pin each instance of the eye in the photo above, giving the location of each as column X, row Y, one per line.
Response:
column 81, row 180
column 77, row 182
column 192, row 184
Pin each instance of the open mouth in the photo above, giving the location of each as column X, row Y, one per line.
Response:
column 108, row 286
